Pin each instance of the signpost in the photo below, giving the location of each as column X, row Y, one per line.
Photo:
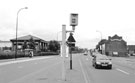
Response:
column 71, row 44
column 71, row 40
column 73, row 23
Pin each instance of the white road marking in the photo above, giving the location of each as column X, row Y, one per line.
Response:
column 84, row 74
column 19, row 61
column 122, row 71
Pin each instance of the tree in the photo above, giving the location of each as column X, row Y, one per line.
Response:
column 24, row 45
column 54, row 46
column 31, row 43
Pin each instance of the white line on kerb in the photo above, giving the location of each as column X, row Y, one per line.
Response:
column 122, row 71
column 84, row 74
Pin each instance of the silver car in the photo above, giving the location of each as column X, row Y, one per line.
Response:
column 100, row 61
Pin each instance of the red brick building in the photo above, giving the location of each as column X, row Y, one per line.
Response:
column 114, row 46
column 131, row 50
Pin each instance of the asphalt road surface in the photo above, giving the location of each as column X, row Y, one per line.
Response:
column 18, row 71
column 121, row 72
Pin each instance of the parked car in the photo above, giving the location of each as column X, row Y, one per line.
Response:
column 100, row 61
column 85, row 53
column 93, row 54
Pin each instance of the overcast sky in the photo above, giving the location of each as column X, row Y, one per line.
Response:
column 44, row 19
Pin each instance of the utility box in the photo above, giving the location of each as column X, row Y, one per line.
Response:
column 73, row 19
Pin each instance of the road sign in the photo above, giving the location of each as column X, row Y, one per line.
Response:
column 74, row 19
column 71, row 44
column 71, row 38
column 71, row 41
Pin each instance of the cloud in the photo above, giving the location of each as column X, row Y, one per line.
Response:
column 87, row 43
column 7, row 34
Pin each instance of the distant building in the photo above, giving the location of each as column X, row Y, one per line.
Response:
column 101, row 46
column 5, row 45
column 39, row 43
column 114, row 46
column 131, row 49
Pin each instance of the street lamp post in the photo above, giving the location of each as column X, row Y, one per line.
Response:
column 101, row 39
column 17, row 30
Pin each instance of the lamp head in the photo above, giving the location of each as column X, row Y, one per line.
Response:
column 26, row 7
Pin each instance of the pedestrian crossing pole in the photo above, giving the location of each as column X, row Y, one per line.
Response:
column 63, row 52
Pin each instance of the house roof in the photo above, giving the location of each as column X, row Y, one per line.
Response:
column 116, row 37
column 27, row 37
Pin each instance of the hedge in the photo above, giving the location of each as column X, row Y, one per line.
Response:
column 9, row 55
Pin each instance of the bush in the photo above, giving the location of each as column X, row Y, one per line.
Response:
column 6, row 55
column 11, row 54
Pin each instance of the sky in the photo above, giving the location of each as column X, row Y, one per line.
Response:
column 44, row 19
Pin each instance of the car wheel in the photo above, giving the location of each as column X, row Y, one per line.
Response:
column 110, row 67
column 96, row 66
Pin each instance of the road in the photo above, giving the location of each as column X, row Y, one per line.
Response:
column 22, row 69
column 120, row 72
column 48, row 70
